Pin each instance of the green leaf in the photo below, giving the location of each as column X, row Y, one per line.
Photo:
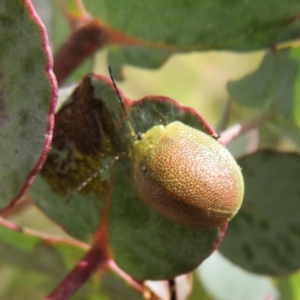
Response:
column 272, row 89
column 27, row 97
column 145, row 244
column 264, row 237
column 82, row 146
column 272, row 81
column 80, row 217
column 79, row 148
column 202, row 25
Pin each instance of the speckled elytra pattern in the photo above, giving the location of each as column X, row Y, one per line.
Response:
column 187, row 176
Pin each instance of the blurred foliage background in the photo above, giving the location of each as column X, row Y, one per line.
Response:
column 198, row 80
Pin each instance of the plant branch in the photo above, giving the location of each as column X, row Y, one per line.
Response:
column 82, row 43
column 95, row 258
column 134, row 283
column 89, row 35
column 49, row 239
column 239, row 129
column 253, row 140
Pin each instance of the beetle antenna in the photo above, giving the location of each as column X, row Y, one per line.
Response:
column 94, row 175
column 116, row 88
column 136, row 135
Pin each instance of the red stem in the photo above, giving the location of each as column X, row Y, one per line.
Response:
column 134, row 283
column 82, row 43
column 85, row 268
column 49, row 239
column 238, row 129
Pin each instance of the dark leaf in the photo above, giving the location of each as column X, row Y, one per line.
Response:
column 273, row 89
column 264, row 237
column 201, row 25
column 27, row 98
